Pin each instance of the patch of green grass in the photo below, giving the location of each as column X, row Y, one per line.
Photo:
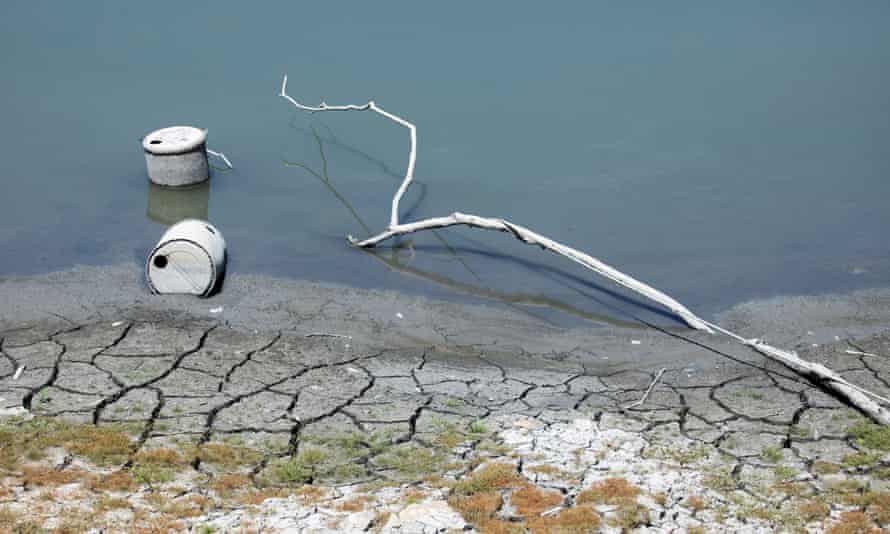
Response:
column 859, row 459
column 348, row 472
column 478, row 427
column 870, row 435
column 800, row 431
column 688, row 456
column 784, row 472
column 302, row 468
column 454, row 403
column 771, row 455
column 151, row 474
column 411, row 460
column 721, row 480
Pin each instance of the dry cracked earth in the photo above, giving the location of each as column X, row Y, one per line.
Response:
column 273, row 431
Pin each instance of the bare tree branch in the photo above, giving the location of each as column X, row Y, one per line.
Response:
column 859, row 397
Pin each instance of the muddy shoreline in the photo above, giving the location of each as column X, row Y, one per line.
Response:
column 341, row 391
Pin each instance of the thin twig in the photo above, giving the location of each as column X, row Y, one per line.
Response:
column 370, row 106
column 325, row 334
column 860, row 353
column 221, row 156
column 648, row 391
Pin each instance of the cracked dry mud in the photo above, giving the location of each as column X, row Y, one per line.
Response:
column 742, row 436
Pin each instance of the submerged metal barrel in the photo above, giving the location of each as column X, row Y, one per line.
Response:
column 189, row 259
column 176, row 156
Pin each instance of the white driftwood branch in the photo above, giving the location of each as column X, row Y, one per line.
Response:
column 533, row 238
column 857, row 396
column 221, row 156
column 371, row 106
column 648, row 392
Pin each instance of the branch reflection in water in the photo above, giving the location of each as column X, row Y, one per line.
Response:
column 393, row 260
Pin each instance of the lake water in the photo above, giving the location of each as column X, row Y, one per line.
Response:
column 719, row 152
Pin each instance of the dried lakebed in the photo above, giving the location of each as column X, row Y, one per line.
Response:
column 158, row 415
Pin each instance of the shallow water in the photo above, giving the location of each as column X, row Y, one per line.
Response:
column 720, row 153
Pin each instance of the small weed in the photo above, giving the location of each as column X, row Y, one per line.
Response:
column 825, row 468
column 229, row 484
column 491, row 477
column 454, row 403
column 549, row 470
column 413, row 496
column 348, row 472
column 305, row 466
column 612, row 491
column 695, row 503
column 355, row 504
column 411, row 460
column 577, row 520
column 800, row 431
column 783, row 472
column 771, row 455
column 531, row 501
column 228, row 455
column 859, row 459
column 813, row 510
column 478, row 427
column 151, row 474
column 34, row 475
column 476, row 507
column 721, row 480
column 853, row 523
column 687, row 456
column 870, row 435
column 104, row 504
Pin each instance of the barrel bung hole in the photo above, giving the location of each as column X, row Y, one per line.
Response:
column 160, row 261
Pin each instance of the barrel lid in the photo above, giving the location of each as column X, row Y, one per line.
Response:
column 174, row 140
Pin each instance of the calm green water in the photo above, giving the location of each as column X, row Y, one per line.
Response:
column 719, row 151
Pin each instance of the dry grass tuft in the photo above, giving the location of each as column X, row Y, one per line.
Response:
column 102, row 445
column 256, row 497
column 853, row 523
column 825, row 468
column 191, row 506
column 695, row 503
column 41, row 475
column 493, row 476
column 159, row 525
column 612, row 491
column 499, row 526
column 119, row 481
column 355, row 504
column 477, row 507
column 577, row 520
column 104, row 504
column 228, row 485
column 530, row 501
column 228, row 455
column 879, row 507
column 161, row 457
column 813, row 510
